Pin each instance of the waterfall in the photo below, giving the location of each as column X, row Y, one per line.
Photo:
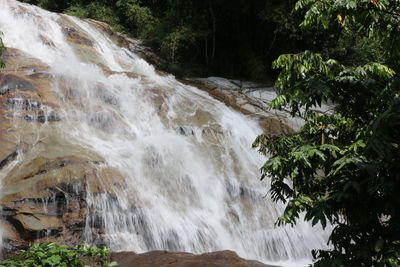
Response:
column 189, row 178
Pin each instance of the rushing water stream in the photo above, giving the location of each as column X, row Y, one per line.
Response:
column 191, row 177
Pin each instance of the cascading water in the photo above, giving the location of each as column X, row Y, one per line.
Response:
column 190, row 178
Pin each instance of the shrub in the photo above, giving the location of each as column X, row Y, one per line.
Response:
column 50, row 254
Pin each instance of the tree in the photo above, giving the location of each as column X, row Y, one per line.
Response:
column 201, row 38
column 343, row 168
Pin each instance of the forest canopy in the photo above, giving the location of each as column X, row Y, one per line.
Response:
column 237, row 39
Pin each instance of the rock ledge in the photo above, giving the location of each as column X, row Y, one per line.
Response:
column 224, row 258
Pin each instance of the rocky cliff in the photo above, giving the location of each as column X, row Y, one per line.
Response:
column 43, row 195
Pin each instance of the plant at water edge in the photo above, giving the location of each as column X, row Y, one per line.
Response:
column 50, row 254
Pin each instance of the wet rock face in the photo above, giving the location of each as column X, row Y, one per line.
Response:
column 179, row 259
column 54, row 216
column 241, row 96
column 10, row 83
column 48, row 203
column 45, row 179
column 76, row 37
column 133, row 45
column 23, row 94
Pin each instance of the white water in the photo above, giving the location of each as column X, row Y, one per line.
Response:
column 191, row 177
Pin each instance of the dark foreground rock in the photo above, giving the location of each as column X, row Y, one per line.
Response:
column 224, row 258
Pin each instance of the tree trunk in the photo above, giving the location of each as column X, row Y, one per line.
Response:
column 214, row 29
column 206, row 49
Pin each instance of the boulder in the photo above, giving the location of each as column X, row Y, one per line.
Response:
column 224, row 258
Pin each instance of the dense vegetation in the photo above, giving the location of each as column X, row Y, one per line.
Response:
column 49, row 254
column 343, row 168
column 237, row 38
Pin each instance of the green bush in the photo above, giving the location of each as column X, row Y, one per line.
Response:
column 138, row 19
column 98, row 11
column 50, row 254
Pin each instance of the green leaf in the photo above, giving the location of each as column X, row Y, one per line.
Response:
column 379, row 244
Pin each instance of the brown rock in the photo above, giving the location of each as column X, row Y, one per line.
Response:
column 181, row 259
column 10, row 83
column 45, row 177
column 8, row 231
column 37, row 222
column 269, row 122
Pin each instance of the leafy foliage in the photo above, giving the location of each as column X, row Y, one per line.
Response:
column 50, row 254
column 140, row 19
column 212, row 37
column 343, row 168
